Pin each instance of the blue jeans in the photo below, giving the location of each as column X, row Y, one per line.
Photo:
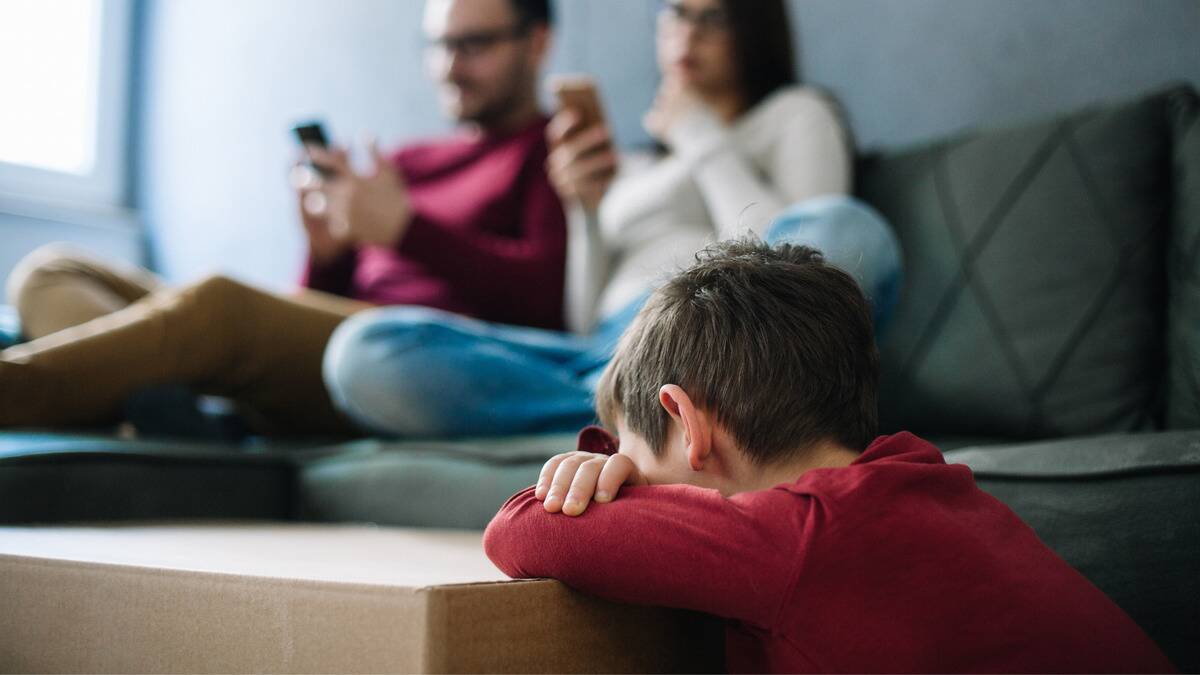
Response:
column 418, row 372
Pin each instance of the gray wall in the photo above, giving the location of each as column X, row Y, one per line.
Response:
column 223, row 80
column 910, row 70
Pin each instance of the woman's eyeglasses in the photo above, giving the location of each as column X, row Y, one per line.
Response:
column 706, row 21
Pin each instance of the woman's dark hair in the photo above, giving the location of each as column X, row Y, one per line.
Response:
column 762, row 46
column 533, row 12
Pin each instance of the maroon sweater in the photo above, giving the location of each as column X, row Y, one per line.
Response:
column 897, row 563
column 487, row 238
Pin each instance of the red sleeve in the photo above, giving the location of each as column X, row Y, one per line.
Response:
column 497, row 269
column 668, row 545
column 336, row 277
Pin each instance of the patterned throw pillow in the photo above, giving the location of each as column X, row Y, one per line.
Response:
column 1035, row 297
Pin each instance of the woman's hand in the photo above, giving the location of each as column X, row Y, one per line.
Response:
column 570, row 481
column 582, row 163
column 671, row 104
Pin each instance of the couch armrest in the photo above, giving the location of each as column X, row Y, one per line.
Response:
column 1124, row 510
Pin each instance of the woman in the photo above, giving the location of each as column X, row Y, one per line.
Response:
column 741, row 142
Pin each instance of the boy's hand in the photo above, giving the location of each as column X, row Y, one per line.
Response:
column 569, row 481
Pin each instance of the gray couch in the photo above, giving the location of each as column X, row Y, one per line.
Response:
column 1048, row 337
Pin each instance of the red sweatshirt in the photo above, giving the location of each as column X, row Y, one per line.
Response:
column 897, row 563
column 487, row 239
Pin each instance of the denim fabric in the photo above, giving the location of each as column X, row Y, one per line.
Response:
column 419, row 372
column 854, row 237
column 10, row 326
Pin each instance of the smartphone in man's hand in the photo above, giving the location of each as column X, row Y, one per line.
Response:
column 312, row 134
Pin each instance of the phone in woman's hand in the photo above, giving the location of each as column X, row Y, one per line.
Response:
column 579, row 94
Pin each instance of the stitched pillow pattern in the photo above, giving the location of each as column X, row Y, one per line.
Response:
column 1034, row 302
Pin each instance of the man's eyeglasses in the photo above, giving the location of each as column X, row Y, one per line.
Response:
column 708, row 21
column 469, row 45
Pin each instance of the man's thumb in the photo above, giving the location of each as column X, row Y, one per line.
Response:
column 382, row 162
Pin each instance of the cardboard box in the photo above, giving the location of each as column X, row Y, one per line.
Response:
column 233, row 598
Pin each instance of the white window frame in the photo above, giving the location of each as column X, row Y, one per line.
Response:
column 105, row 187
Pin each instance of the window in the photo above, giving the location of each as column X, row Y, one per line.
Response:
column 64, row 73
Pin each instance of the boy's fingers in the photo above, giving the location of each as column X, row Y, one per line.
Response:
column 547, row 474
column 582, row 487
column 616, row 471
column 561, row 482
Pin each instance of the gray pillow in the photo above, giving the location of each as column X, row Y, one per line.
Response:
column 1034, row 297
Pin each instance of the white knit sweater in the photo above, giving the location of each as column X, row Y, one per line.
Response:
column 719, row 182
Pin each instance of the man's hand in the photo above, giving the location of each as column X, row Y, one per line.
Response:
column 582, row 163
column 314, row 214
column 570, row 481
column 371, row 208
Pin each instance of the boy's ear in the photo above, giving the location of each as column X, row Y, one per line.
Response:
column 697, row 431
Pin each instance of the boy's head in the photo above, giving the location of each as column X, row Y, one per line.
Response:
column 768, row 349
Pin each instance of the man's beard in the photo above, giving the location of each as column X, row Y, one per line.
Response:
column 508, row 98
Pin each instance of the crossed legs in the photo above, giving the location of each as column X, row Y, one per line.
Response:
column 100, row 333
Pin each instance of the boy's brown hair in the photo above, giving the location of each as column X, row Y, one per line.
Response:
column 773, row 341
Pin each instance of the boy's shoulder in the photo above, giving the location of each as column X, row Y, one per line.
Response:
column 904, row 447
column 895, row 462
column 901, row 449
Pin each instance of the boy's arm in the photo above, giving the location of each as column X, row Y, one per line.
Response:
column 669, row 545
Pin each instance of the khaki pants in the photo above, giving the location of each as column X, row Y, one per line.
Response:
column 99, row 333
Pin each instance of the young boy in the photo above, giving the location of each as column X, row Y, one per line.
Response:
column 752, row 487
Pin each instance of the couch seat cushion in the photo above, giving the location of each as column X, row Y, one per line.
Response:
column 55, row 478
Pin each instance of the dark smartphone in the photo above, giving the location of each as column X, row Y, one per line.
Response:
column 313, row 133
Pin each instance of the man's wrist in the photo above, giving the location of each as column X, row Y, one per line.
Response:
column 329, row 258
